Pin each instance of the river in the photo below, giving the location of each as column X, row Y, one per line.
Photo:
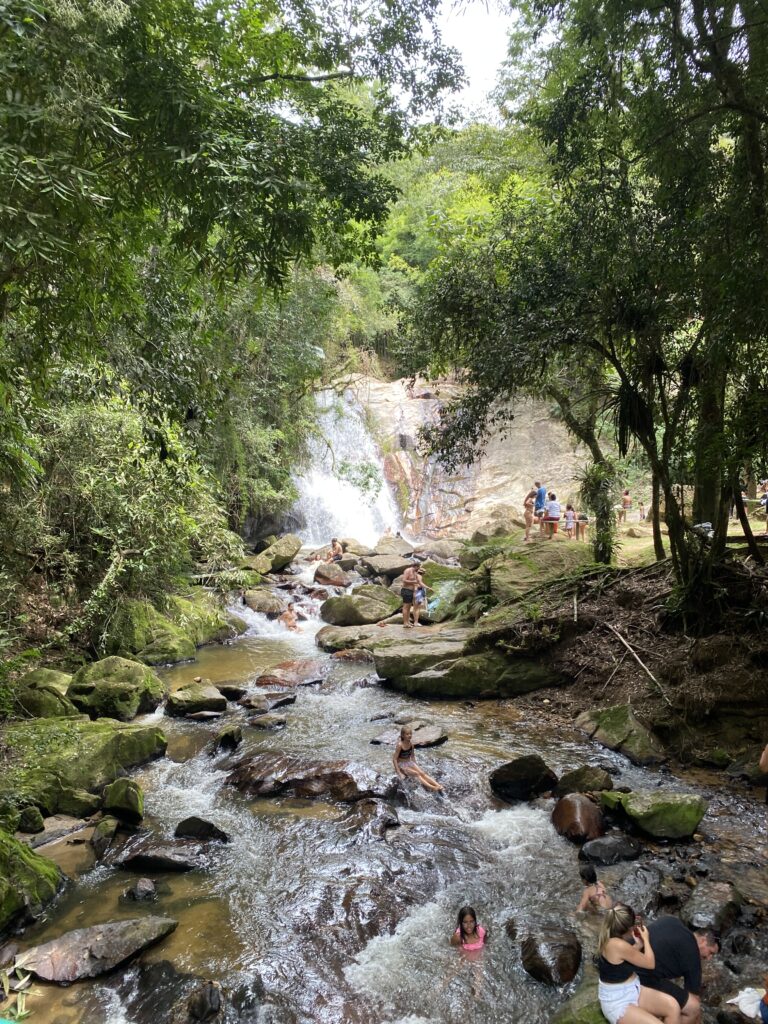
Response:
column 304, row 916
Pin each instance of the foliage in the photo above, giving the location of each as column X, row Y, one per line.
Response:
column 598, row 493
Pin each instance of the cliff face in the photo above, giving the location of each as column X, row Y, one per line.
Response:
column 435, row 503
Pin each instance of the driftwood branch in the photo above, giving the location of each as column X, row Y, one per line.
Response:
column 642, row 664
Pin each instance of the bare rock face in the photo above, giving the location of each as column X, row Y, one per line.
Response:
column 88, row 952
column 424, row 735
column 270, row 774
column 577, row 818
column 331, row 574
column 369, row 820
column 551, row 955
column 300, row 672
column 522, row 779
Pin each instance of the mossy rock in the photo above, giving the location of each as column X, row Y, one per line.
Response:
column 116, row 688
column 46, row 677
column 265, row 602
column 78, row 803
column 583, row 1007
column 195, row 697
column 364, row 606
column 486, row 675
column 31, row 820
column 124, row 799
column 660, row 814
column 587, row 779
column 257, row 564
column 47, row 759
column 281, row 553
column 398, row 661
column 28, row 882
column 445, row 584
column 618, row 729
column 103, row 835
column 44, row 701
column 514, row 571
column 203, row 618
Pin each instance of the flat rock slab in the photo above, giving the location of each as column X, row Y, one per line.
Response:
column 146, row 855
column 270, row 774
column 268, row 722
column 308, row 672
column 423, row 735
column 88, row 952
column 195, row 697
column 232, row 691
column 204, row 716
column 261, row 703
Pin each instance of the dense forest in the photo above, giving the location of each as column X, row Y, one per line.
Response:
column 208, row 209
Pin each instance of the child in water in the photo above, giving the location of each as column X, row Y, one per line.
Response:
column 404, row 760
column 595, row 896
column 470, row 937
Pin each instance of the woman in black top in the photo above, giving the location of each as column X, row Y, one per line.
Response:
column 624, row 944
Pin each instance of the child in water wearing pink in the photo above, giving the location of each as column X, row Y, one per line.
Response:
column 471, row 938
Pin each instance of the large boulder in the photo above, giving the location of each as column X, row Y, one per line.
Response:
column 576, row 817
column 282, row 552
column 116, row 688
column 424, row 735
column 396, row 662
column 522, row 779
column 551, row 955
column 386, row 565
column 393, row 546
column 587, row 779
column 351, row 546
column 28, row 882
column 365, row 605
column 198, row 828
column 124, row 799
column 147, row 854
column 610, row 849
column 618, row 729
column 331, row 574
column 272, row 774
column 40, row 699
column 46, row 677
column 713, row 905
column 200, row 695
column 266, row 602
column 103, row 835
column 88, row 952
column 342, row 638
column 48, row 758
column 486, row 674
column 298, row 672
column 659, row 813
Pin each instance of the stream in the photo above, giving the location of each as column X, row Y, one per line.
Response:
column 306, row 918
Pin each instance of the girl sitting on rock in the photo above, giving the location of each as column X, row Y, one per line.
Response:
column 624, row 944
column 404, row 760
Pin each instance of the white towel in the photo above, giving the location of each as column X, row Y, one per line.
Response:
column 748, row 1001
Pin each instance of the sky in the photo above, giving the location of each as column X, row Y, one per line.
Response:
column 479, row 32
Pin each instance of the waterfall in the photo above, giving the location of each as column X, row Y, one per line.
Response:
column 343, row 493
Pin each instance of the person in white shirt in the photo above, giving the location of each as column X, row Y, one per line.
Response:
column 553, row 514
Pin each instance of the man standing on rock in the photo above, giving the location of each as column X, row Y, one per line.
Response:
column 679, row 953
column 410, row 582
column 540, row 505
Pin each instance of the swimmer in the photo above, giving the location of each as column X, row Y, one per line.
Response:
column 289, row 620
column 595, row 896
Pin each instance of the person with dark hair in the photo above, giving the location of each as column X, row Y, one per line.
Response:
column 595, row 896
column 469, row 934
column 679, row 953
column 623, row 945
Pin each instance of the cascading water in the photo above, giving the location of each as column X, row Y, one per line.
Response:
column 343, row 493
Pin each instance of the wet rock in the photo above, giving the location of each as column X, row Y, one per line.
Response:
column 261, row 703
column 31, row 820
column 197, row 696
column 204, row 716
column 268, row 722
column 661, row 814
column 142, row 891
column 331, row 574
column 610, row 849
column 486, row 674
column 265, row 602
column 280, row 554
column 144, row 853
column 618, row 729
column 116, row 688
column 369, row 819
column 583, row 1006
column 28, row 882
column 198, row 828
column 522, row 779
column 640, row 888
column 577, row 818
column 206, row 1002
column 344, row 638
column 424, row 735
column 88, row 952
column 103, row 835
column 8, row 953
column 347, row 563
column 587, row 779
column 510, row 927
column 299, row 672
column 229, row 738
column 551, row 955
column 397, row 661
column 389, row 566
column 712, row 905
column 232, row 691
column 738, row 943
column 271, row 774
column 353, row 655
column 731, row 1016
column 365, row 605
column 124, row 798
column 393, row 546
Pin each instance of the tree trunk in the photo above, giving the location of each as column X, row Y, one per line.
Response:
column 658, row 543
column 708, row 445
column 738, row 501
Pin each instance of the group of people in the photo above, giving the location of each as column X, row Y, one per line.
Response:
column 639, row 966
column 542, row 507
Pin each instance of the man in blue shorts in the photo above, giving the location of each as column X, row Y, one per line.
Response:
column 540, row 505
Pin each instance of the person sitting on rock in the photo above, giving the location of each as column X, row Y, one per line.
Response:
column 595, row 896
column 336, row 552
column 623, row 945
column 404, row 760
column 679, row 953
column 552, row 517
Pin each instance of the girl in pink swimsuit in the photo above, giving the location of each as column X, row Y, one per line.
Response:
column 470, row 936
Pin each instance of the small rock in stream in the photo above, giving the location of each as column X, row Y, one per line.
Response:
column 206, row 1002
column 144, row 889
column 198, row 828
column 229, row 738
